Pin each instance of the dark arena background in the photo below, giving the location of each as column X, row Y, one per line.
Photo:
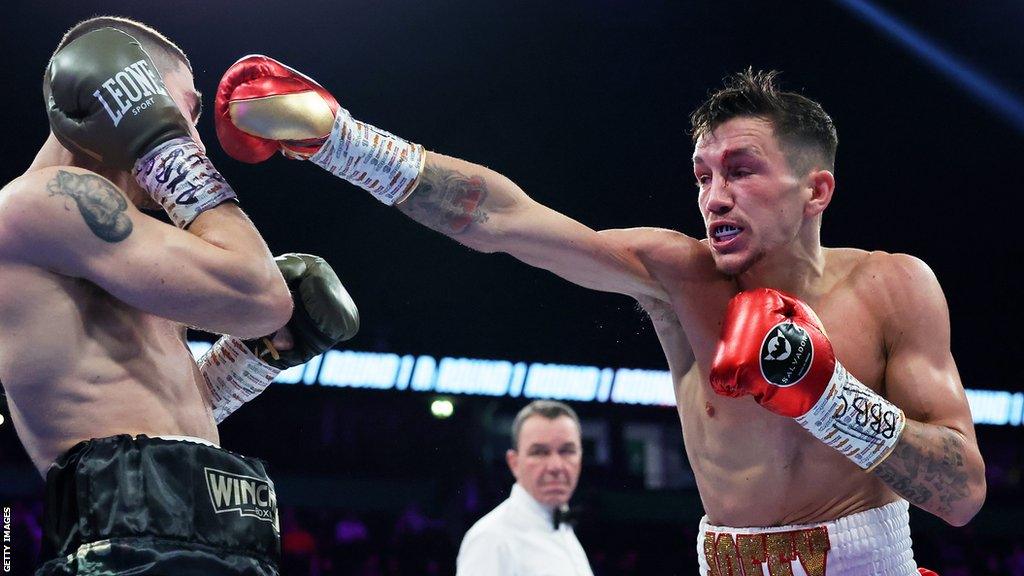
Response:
column 386, row 450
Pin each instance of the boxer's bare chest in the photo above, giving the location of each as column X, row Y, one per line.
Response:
column 845, row 301
column 62, row 330
column 735, row 446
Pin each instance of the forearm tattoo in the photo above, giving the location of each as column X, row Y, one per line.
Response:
column 927, row 468
column 447, row 201
column 101, row 205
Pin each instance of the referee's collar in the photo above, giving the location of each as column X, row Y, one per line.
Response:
column 523, row 500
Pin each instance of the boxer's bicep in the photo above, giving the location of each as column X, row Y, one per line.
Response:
column 83, row 226
column 544, row 238
column 60, row 220
column 921, row 376
column 936, row 464
column 926, row 385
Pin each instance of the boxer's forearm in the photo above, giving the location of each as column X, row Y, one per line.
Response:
column 227, row 227
column 233, row 376
column 250, row 298
column 938, row 470
column 460, row 199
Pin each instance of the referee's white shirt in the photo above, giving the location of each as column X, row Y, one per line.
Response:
column 518, row 538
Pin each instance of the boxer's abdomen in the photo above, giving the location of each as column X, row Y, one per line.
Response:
column 78, row 364
column 755, row 468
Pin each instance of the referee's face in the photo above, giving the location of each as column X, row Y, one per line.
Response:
column 546, row 463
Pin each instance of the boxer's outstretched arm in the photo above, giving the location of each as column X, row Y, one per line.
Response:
column 488, row 212
column 263, row 106
column 936, row 465
column 219, row 276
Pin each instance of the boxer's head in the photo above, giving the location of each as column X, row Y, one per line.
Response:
column 763, row 160
column 547, row 452
column 173, row 65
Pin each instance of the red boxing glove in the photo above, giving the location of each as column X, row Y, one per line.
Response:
column 263, row 106
column 774, row 348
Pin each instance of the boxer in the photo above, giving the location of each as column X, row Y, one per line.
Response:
column 103, row 390
column 805, row 465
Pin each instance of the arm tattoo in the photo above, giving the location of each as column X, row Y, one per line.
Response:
column 927, row 468
column 101, row 205
column 447, row 201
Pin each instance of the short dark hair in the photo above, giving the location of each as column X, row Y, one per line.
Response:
column 801, row 125
column 549, row 409
column 165, row 54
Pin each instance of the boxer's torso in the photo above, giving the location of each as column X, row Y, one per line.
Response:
column 754, row 468
column 79, row 364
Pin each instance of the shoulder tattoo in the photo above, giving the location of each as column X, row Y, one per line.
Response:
column 101, row 205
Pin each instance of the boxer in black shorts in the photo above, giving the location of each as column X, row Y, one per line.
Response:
column 103, row 390
column 122, row 503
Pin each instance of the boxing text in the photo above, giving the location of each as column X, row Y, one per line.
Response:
column 249, row 496
column 7, row 539
column 745, row 554
column 127, row 88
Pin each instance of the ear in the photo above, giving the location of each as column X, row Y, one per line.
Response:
column 512, row 459
column 821, row 183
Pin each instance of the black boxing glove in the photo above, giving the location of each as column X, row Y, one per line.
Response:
column 324, row 313
column 236, row 371
column 108, row 101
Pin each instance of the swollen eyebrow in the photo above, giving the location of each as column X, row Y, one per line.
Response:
column 741, row 153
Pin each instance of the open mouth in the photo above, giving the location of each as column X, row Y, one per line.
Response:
column 726, row 238
column 725, row 232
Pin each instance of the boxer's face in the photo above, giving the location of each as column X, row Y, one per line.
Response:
column 547, row 461
column 181, row 88
column 752, row 203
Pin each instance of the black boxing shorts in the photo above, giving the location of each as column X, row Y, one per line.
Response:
column 156, row 506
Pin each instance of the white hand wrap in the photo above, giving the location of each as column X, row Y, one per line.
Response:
column 234, row 375
column 179, row 177
column 379, row 162
column 855, row 420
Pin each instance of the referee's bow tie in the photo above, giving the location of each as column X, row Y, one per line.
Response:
column 564, row 515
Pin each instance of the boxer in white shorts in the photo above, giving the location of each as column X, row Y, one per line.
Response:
column 875, row 542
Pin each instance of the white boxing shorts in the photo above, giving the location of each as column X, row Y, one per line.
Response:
column 875, row 542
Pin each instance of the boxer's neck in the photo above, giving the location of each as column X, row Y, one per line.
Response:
column 795, row 268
